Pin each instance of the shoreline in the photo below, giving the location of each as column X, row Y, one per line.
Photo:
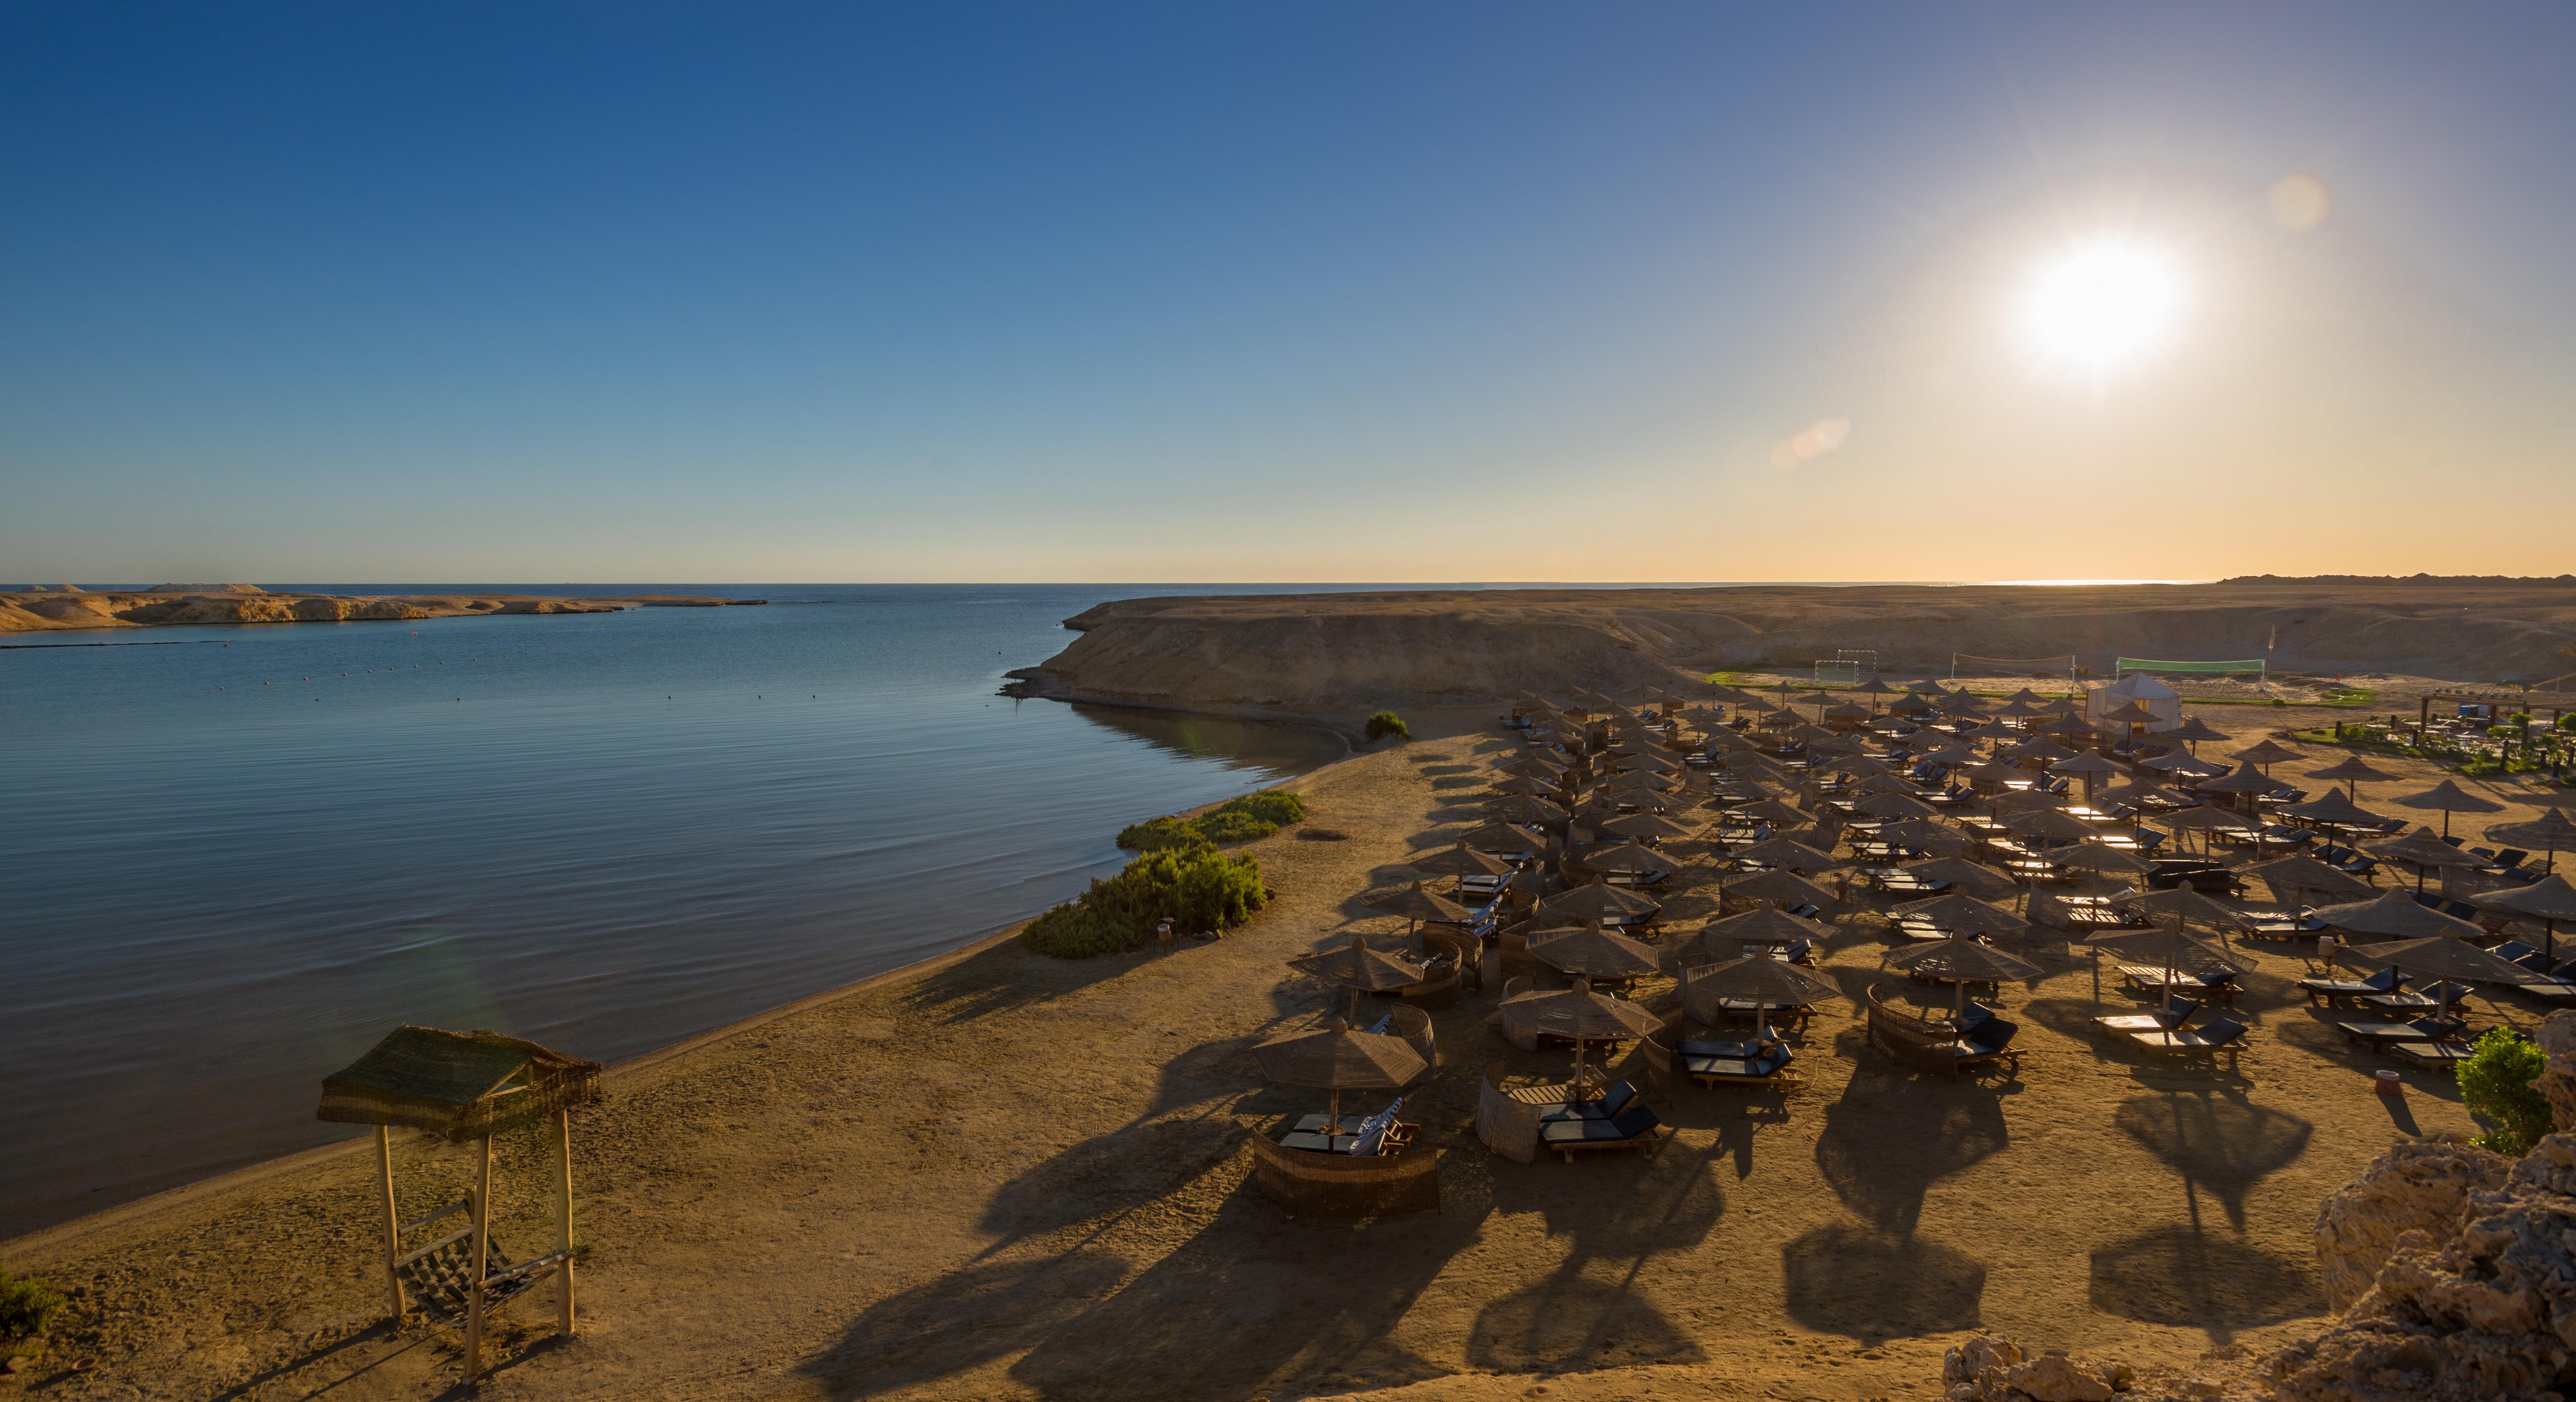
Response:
column 63, row 1232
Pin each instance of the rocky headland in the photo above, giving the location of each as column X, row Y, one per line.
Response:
column 46, row 608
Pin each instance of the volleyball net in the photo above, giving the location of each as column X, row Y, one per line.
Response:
column 1846, row 667
column 2255, row 665
column 1971, row 665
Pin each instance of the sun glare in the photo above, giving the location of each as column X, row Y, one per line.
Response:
column 2102, row 307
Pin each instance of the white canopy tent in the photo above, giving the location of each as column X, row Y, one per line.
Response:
column 2146, row 691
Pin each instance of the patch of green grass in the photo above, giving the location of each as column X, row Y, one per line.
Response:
column 1242, row 819
column 1196, row 888
column 27, row 1305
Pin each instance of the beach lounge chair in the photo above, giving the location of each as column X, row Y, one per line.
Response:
column 2379, row 1035
column 1987, row 1038
column 2329, row 990
column 2419, row 1000
column 2433, row 1056
column 1768, row 1068
column 1634, row 1128
column 1614, row 1100
column 2556, row 992
column 2166, row 1019
column 2213, row 1037
column 2141, row 978
column 2283, row 924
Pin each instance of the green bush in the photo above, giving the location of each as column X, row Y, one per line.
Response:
column 2567, row 720
column 1235, row 820
column 1196, row 888
column 1386, row 723
column 27, row 1305
column 2496, row 1082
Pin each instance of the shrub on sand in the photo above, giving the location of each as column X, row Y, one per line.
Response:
column 1196, row 888
column 27, row 1305
column 1386, row 723
column 1235, row 820
column 2496, row 1082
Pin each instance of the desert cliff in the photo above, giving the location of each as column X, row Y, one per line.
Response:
column 63, row 607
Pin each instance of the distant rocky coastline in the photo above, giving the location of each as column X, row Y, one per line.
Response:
column 50, row 608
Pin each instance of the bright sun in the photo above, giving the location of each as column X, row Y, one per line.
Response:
column 2102, row 307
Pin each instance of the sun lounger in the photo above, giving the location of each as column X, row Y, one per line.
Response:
column 2221, row 1035
column 1635, row 1128
column 2284, row 925
column 1988, row 1039
column 1614, row 1100
column 2166, row 1019
column 2377, row 1035
column 2418, row 1000
column 2331, row 990
column 1765, row 1065
column 2558, row 993
column 2145, row 979
column 2436, row 1056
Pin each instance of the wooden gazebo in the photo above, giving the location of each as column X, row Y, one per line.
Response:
column 465, row 1086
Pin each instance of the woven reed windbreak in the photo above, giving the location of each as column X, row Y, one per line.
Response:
column 465, row 1085
column 1309, row 1184
column 1914, row 1038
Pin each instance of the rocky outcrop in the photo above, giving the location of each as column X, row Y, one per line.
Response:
column 1991, row 1368
column 205, row 589
column 2412, row 1188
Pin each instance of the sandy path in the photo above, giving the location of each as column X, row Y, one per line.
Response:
column 1015, row 1177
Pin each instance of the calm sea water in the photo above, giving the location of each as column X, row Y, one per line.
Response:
column 233, row 858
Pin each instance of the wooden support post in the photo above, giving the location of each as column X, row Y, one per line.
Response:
column 563, row 1219
column 482, row 1260
column 393, row 1219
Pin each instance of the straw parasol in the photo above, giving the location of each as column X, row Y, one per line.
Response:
column 1755, row 978
column 1503, row 837
column 2448, row 798
column 1416, row 905
column 2133, row 715
column 2443, row 959
column 2352, row 772
column 1593, row 952
column 1641, row 780
column 1337, row 1059
column 1895, row 805
column 2303, row 874
column 1521, row 808
column 1790, row 854
column 1778, row 885
column 2049, row 825
column 2166, row 949
column 1580, row 1014
column 1959, row 872
column 2101, row 860
column 1461, row 861
column 1964, row 915
column 1359, row 969
column 1596, row 902
column 2191, row 732
column 2423, row 851
column 1926, row 835
column 2267, row 754
column 2333, row 810
column 2181, row 762
column 1767, row 925
column 2551, row 832
column 1522, row 784
column 2397, row 916
column 1962, row 962
column 1775, row 812
column 1647, row 825
column 2049, row 752
column 2548, row 900
column 2204, row 820
column 2088, row 766
column 1624, row 857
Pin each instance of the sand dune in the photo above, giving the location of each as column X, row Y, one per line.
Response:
column 1341, row 652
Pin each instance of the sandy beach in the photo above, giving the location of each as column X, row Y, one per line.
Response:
column 998, row 1175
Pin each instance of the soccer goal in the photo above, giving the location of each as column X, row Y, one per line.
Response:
column 1969, row 664
column 1847, row 667
column 2256, row 666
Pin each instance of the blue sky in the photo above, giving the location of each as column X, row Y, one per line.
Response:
column 1314, row 292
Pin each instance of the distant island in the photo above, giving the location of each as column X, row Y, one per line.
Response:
column 55, row 607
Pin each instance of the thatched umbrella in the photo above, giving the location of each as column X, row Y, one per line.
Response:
column 1537, row 764
column 1359, row 969
column 2133, row 715
column 2088, row 766
column 1789, row 854
column 1959, row 872
column 1338, row 1059
column 2448, row 798
column 2166, row 949
column 1417, row 905
column 2548, row 900
column 2049, row 825
column 1596, row 902
column 1766, row 925
column 1926, row 835
column 1962, row 962
column 1626, row 858
column 2182, row 764
column 2333, row 810
column 1461, row 862
column 1641, row 781
column 2191, row 732
column 1755, row 978
column 1521, row 808
column 1504, row 837
column 2397, row 916
column 1647, row 827
column 2047, row 751
column 2353, row 772
column 1592, row 951
column 1895, row 805
column 1778, row 885
column 2203, row 820
column 1535, row 788
column 1580, row 1014
column 2551, row 832
column 1646, row 760
column 2267, row 754
column 1964, row 915
column 2301, row 875
column 2101, row 860
column 1774, row 812
column 2442, row 958
column 2423, row 851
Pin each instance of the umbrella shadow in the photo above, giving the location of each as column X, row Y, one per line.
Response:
column 2221, row 1143
column 960, row 1321
column 1894, row 1133
column 2176, row 1275
column 1846, row 1279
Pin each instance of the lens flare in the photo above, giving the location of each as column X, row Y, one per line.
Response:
column 2102, row 307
